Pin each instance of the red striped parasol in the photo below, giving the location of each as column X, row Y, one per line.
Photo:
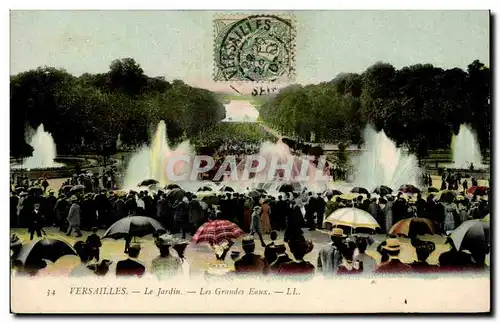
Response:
column 216, row 231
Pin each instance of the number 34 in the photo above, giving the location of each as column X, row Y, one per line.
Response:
column 51, row 292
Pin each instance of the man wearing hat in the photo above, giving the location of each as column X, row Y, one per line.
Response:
column 299, row 247
column 329, row 257
column 130, row 266
column 281, row 258
column 35, row 223
column 74, row 217
column 392, row 247
column 255, row 225
column 100, row 268
column 249, row 262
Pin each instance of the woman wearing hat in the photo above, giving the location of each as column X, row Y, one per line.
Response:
column 299, row 247
column 393, row 265
column 265, row 219
column 166, row 265
column 349, row 266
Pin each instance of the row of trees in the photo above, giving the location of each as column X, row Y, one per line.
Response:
column 93, row 109
column 420, row 106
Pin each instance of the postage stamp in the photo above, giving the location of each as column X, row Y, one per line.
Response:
column 254, row 48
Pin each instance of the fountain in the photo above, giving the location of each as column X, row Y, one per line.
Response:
column 465, row 149
column 44, row 152
column 150, row 161
column 382, row 163
column 241, row 111
column 281, row 153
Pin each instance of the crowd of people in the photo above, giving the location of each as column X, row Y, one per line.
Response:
column 182, row 212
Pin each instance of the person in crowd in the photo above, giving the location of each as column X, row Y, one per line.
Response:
column 366, row 262
column 100, row 268
column 423, row 250
column 388, row 214
column 131, row 266
column 47, row 205
column 453, row 259
column 74, row 217
column 329, row 257
column 270, row 253
column 36, row 222
column 180, row 247
column 299, row 247
column 310, row 208
column 249, row 263
column 281, row 258
column 347, row 265
column 320, row 210
column 15, row 248
column 294, row 221
column 45, row 185
column 166, row 265
column 393, row 265
column 256, row 225
column 221, row 249
column 92, row 244
column 451, row 214
column 265, row 218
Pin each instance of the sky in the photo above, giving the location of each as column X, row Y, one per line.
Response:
column 179, row 44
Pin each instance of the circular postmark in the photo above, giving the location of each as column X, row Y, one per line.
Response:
column 256, row 48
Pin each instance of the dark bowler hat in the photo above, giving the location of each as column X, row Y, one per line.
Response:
column 248, row 241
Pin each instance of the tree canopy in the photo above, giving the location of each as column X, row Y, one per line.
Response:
column 420, row 106
column 93, row 109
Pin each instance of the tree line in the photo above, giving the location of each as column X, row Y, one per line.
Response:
column 92, row 110
column 419, row 106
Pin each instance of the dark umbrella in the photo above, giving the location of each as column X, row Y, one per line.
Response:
column 211, row 200
column 432, row 189
column 471, row 234
column 261, row 190
column 359, row 190
column 205, row 189
column 171, row 186
column 226, row 188
column 134, row 226
column 447, row 196
column 382, row 190
column 51, row 249
column 408, row 188
column 286, row 188
column 148, row 182
column 77, row 188
column 254, row 193
column 175, row 194
column 34, row 190
column 66, row 188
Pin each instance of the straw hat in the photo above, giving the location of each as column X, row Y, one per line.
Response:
column 338, row 232
column 392, row 244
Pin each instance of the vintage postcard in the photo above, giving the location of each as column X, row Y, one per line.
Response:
column 250, row 162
